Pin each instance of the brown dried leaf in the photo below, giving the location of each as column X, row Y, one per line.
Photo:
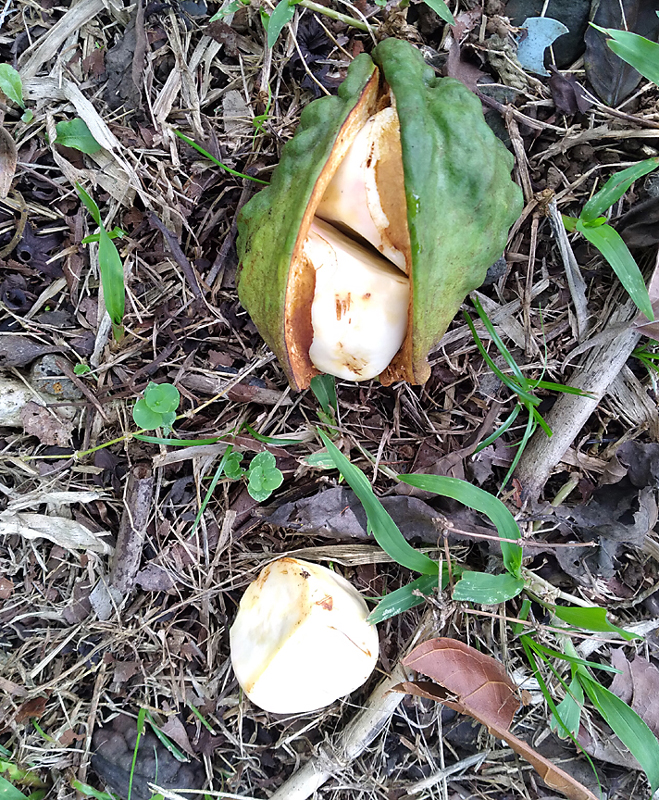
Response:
column 478, row 685
column 46, row 426
column 8, row 159
column 31, row 709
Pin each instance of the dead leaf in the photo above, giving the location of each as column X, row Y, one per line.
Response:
column 32, row 709
column 638, row 686
column 19, row 351
column 568, row 94
column 155, row 579
column 642, row 462
column 612, row 78
column 46, row 425
column 477, row 685
column 66, row 532
column 8, row 159
column 175, row 729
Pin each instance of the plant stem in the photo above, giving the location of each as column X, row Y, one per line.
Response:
column 332, row 14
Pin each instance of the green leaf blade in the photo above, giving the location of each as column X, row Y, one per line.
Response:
column 482, row 501
column 590, row 618
column 384, row 529
column 486, row 589
column 627, row 725
column 162, row 397
column 637, row 51
column 611, row 245
column 281, row 16
column 615, row 187
column 7, row 790
column 441, row 9
column 75, row 133
column 403, row 599
column 112, row 277
column 11, row 84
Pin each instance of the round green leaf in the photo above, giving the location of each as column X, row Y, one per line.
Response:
column 144, row 417
column 162, row 397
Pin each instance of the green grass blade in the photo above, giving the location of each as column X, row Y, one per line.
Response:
column 403, row 599
column 540, row 420
column 89, row 204
column 548, row 651
column 627, row 725
column 175, row 442
column 441, row 9
column 275, row 442
column 486, row 589
column 384, row 529
column 591, row 618
column 112, row 277
column 614, row 188
column 569, row 709
column 498, row 341
column 281, row 16
column 500, row 430
column 639, row 52
column 559, row 387
column 205, row 153
column 479, row 500
column 9, row 792
column 324, row 389
column 612, row 247
column 211, row 488
column 507, row 381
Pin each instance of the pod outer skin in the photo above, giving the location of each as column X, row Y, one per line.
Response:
column 272, row 223
column 460, row 198
column 459, row 195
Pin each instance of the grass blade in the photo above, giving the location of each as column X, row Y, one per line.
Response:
column 382, row 526
column 639, row 52
column 486, row 589
column 507, row 381
column 479, row 500
column 281, row 16
column 500, row 430
column 615, row 187
column 498, row 341
column 612, row 247
column 591, row 618
column 404, row 598
column 112, row 277
column 627, row 725
column 205, row 153
column 441, row 9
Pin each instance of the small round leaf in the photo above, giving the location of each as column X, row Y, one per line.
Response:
column 162, row 397
column 144, row 417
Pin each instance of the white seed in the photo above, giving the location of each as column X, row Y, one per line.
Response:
column 360, row 306
column 300, row 640
column 367, row 192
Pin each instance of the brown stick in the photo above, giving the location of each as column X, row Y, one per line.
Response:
column 130, row 541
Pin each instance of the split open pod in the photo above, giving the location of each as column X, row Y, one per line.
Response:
column 386, row 209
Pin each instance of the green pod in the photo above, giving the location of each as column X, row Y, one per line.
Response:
column 458, row 199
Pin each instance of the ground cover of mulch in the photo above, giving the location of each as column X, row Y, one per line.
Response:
column 92, row 632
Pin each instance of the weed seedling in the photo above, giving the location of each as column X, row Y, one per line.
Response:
column 12, row 87
column 157, row 409
column 592, row 225
column 109, row 262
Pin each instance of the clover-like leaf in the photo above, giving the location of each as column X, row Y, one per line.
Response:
column 144, row 417
column 162, row 397
column 263, row 476
column 232, row 468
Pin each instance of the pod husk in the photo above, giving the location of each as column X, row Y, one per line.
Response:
column 459, row 197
